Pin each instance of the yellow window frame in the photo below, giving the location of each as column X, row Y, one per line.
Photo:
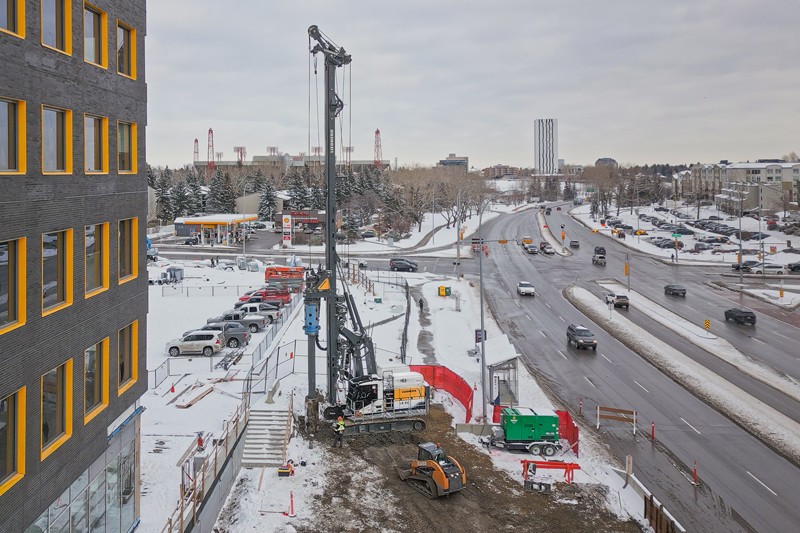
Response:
column 20, row 292
column 134, row 251
column 103, row 40
column 104, row 361
column 106, row 271
column 19, row 419
column 122, row 387
column 53, row 446
column 67, row 28
column 22, row 151
column 134, row 148
column 132, row 52
column 103, row 144
column 67, row 141
column 68, row 272
column 20, row 29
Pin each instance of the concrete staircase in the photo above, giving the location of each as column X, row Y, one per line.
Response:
column 265, row 444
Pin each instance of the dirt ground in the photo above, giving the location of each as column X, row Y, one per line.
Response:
column 364, row 493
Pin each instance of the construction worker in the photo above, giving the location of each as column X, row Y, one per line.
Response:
column 339, row 429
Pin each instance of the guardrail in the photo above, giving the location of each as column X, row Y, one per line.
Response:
column 193, row 494
column 207, row 290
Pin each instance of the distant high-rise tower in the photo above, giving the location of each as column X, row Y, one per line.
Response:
column 545, row 145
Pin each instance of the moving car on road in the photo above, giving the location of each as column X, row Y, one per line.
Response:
column 525, row 288
column 547, row 249
column 744, row 265
column 619, row 300
column 675, row 289
column 402, row 263
column 574, row 244
column 741, row 315
column 600, row 250
column 599, row 259
column 531, row 248
column 794, row 267
column 581, row 336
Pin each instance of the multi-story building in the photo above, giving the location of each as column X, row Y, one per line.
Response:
column 498, row 171
column 73, row 287
column 545, row 146
column 455, row 161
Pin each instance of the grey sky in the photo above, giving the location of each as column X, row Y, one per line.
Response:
column 636, row 80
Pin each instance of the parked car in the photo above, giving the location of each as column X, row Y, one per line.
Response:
column 794, row 267
column 205, row 342
column 744, row 265
column 402, row 263
column 714, row 217
column 368, row 234
column 599, row 259
column 191, row 241
column 639, row 232
column 700, row 246
column 531, row 248
column 758, row 236
column 675, row 289
column 254, row 323
column 574, row 244
column 233, row 333
column 268, row 293
column 270, row 312
column 619, row 300
column 581, row 336
column 258, row 225
column 741, row 315
column 525, row 288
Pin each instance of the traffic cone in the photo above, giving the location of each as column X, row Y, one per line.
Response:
column 172, row 388
column 476, row 385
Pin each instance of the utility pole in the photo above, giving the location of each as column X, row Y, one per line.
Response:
column 483, row 326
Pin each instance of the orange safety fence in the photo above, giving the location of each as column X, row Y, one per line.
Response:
column 443, row 378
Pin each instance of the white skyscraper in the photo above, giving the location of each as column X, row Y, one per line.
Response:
column 545, row 145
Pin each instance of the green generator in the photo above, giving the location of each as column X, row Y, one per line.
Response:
column 523, row 424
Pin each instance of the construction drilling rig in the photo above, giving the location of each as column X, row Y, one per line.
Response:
column 392, row 399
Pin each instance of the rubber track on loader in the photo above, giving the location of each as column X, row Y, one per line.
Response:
column 426, row 486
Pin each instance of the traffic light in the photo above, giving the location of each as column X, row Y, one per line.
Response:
column 562, row 226
column 627, row 269
column 676, row 244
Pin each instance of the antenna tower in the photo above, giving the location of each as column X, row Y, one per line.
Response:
column 211, row 166
column 241, row 154
column 219, row 157
column 272, row 150
column 196, row 156
column 378, row 149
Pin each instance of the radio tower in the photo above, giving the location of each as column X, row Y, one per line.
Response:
column 378, row 149
column 272, row 150
column 196, row 157
column 211, row 166
column 241, row 154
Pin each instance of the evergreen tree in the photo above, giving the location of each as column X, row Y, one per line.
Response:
column 195, row 200
column 266, row 205
column 152, row 177
column 317, row 195
column 221, row 198
column 228, row 200
column 164, row 205
column 298, row 192
column 569, row 191
column 181, row 200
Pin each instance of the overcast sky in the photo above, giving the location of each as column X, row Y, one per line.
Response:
column 641, row 81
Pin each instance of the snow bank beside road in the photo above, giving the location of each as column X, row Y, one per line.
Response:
column 771, row 427
column 544, row 228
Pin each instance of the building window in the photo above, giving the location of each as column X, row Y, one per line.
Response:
column 56, row 271
column 12, row 17
column 56, row 140
column 128, row 357
column 128, row 249
column 12, row 439
column 126, row 50
column 95, row 139
column 56, row 408
column 12, row 285
column 96, row 258
column 95, row 380
column 126, row 147
column 95, row 29
column 57, row 25
column 12, row 136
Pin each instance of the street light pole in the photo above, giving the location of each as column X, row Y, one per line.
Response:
column 483, row 327
column 245, row 234
column 741, row 200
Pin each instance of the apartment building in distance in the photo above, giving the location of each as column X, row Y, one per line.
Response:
column 73, row 284
column 545, row 146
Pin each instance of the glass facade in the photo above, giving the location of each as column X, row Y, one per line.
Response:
column 95, row 257
column 8, row 136
column 104, row 498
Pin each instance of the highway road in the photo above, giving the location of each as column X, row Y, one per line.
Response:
column 744, row 484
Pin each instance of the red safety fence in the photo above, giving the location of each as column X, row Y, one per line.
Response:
column 568, row 429
column 443, row 378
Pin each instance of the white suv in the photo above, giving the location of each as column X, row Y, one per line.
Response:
column 769, row 268
column 202, row 341
column 525, row 288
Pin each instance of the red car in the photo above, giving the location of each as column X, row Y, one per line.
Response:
column 269, row 294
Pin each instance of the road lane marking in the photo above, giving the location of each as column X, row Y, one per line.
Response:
column 516, row 302
column 590, row 382
column 780, row 335
column 562, row 319
column 607, row 359
column 562, row 354
column 529, row 318
column 691, row 426
column 543, row 335
column 762, row 483
column 548, row 305
column 640, row 385
column 758, row 340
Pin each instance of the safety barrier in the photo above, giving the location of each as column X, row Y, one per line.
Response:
column 568, row 429
column 443, row 378
column 156, row 377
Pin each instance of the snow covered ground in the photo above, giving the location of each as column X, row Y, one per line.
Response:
column 726, row 254
column 168, row 432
